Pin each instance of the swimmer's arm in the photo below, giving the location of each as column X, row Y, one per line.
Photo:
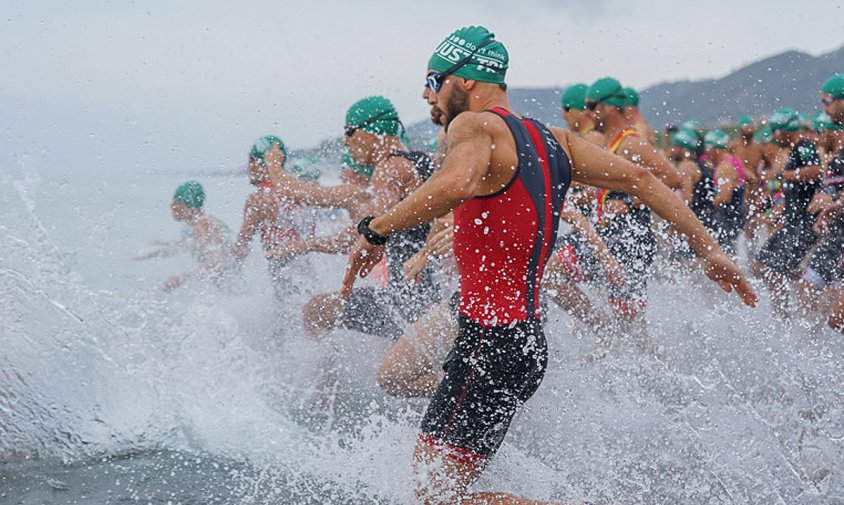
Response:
column 687, row 172
column 463, row 168
column 587, row 231
column 300, row 191
column 653, row 160
column 806, row 173
column 252, row 216
column 338, row 244
column 598, row 167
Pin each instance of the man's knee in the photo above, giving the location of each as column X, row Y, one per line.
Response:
column 398, row 369
column 322, row 312
column 387, row 377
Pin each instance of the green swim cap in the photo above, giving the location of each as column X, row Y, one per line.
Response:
column 376, row 115
column 191, row 194
column 822, row 121
column 489, row 58
column 263, row 144
column 575, row 97
column 745, row 121
column 608, row 91
column 785, row 119
column 687, row 139
column 348, row 162
column 834, row 86
column 306, row 168
column 632, row 97
column 693, row 125
column 716, row 139
column 763, row 136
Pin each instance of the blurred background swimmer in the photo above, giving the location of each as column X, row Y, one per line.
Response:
column 207, row 238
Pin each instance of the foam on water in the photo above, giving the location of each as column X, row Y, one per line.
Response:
column 109, row 387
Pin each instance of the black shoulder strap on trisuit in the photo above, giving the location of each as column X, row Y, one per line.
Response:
column 422, row 162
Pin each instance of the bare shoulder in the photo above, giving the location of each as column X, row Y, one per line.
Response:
column 474, row 126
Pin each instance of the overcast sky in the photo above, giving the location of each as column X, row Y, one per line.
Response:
column 189, row 84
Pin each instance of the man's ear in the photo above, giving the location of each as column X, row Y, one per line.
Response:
column 467, row 84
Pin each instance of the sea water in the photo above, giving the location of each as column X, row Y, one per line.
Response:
column 113, row 391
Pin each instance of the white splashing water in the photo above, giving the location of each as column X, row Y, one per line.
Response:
column 98, row 363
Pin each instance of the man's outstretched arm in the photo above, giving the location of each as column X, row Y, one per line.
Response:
column 598, row 167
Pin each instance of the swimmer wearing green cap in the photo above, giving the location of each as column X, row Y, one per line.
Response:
column 206, row 236
column 607, row 100
column 373, row 137
column 484, row 180
column 274, row 210
column 579, row 120
column 699, row 185
column 748, row 150
column 634, row 116
column 758, row 158
column 628, row 223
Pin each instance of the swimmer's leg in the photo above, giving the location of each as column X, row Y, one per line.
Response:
column 445, row 479
column 411, row 368
column 321, row 314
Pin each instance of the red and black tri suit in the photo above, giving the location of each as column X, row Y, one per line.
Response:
column 502, row 242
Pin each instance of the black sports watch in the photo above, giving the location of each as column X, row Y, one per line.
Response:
column 370, row 236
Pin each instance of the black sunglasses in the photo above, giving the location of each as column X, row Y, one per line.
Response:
column 435, row 80
column 592, row 104
column 350, row 130
column 566, row 108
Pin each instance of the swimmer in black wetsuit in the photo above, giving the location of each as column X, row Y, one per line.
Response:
column 782, row 253
column 373, row 138
column 623, row 222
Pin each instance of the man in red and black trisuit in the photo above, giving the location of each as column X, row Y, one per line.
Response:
column 505, row 177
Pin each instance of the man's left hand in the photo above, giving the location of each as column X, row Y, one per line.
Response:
column 362, row 260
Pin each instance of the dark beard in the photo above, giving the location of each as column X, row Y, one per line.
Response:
column 437, row 116
column 458, row 102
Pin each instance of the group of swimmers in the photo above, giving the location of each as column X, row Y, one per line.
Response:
column 483, row 213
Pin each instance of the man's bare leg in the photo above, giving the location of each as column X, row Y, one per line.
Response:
column 445, row 479
column 321, row 314
column 411, row 368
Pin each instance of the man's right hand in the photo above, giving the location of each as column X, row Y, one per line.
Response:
column 722, row 270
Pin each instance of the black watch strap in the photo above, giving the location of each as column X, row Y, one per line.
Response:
column 370, row 236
